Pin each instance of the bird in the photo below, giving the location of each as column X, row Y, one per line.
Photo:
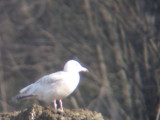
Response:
column 55, row 86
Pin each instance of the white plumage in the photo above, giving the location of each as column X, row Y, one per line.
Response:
column 55, row 86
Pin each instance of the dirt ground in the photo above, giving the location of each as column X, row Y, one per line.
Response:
column 37, row 112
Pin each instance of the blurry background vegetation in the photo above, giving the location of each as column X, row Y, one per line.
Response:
column 117, row 40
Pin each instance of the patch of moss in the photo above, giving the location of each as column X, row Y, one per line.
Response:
column 37, row 112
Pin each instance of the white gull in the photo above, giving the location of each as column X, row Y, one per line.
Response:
column 55, row 86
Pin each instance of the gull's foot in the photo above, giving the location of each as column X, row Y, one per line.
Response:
column 55, row 110
column 60, row 110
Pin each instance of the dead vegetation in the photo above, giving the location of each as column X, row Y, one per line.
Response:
column 37, row 112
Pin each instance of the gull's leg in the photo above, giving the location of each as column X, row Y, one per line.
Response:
column 55, row 105
column 60, row 104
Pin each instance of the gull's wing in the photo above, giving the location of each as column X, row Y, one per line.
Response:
column 34, row 90
column 53, row 78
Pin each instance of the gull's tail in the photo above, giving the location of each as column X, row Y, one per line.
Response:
column 21, row 97
column 25, row 93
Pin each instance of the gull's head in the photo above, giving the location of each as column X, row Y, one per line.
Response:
column 74, row 66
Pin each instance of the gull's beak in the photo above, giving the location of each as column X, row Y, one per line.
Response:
column 84, row 69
